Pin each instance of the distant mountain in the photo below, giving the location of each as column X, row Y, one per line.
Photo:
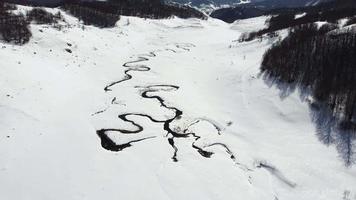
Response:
column 198, row 3
column 208, row 6
column 248, row 8
column 267, row 3
column 285, row 3
column 49, row 3
column 255, row 9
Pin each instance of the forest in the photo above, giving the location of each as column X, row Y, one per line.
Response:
column 320, row 61
column 41, row 16
column 103, row 14
column 99, row 15
column 277, row 7
column 285, row 17
column 13, row 27
column 106, row 14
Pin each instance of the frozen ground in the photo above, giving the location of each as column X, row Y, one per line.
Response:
column 211, row 127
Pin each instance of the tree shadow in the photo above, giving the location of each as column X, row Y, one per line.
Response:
column 330, row 129
column 285, row 89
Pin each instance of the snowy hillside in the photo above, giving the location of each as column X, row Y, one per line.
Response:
column 207, row 2
column 216, row 4
column 156, row 109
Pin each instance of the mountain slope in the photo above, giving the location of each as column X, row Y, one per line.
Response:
column 245, row 11
column 259, row 3
column 206, row 2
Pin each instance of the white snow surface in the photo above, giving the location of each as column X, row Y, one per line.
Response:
column 297, row 16
column 49, row 149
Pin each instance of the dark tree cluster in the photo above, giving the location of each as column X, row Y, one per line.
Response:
column 36, row 3
column 41, row 16
column 182, row 11
column 285, row 18
column 92, row 16
column 155, row 9
column 331, row 15
column 277, row 7
column 230, row 14
column 350, row 21
column 107, row 13
column 13, row 27
column 7, row 6
column 323, row 63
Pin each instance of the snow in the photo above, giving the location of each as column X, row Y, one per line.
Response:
column 320, row 23
column 297, row 16
column 49, row 148
column 250, row 25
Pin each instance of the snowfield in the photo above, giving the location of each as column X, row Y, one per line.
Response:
column 212, row 128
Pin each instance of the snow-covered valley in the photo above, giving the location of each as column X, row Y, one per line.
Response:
column 156, row 109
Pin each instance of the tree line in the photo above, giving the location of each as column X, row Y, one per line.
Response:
column 100, row 16
column 13, row 27
column 107, row 13
column 284, row 18
column 41, row 16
